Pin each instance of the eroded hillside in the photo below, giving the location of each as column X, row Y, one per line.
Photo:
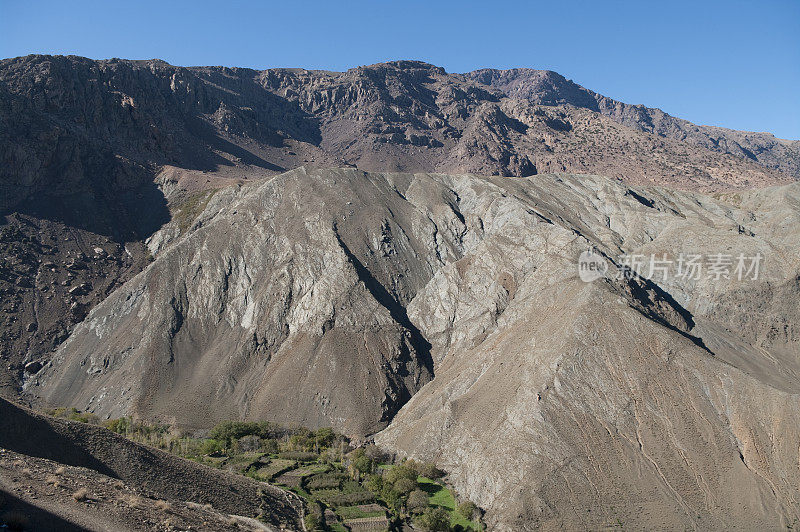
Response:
column 450, row 309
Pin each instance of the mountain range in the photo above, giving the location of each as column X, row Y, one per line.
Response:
column 394, row 251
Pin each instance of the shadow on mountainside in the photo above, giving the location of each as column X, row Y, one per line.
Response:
column 17, row 514
column 34, row 436
column 420, row 345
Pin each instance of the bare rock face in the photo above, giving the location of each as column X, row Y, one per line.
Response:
column 450, row 308
column 285, row 301
column 562, row 404
column 543, row 87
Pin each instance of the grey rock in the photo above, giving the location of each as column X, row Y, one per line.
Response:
column 450, row 309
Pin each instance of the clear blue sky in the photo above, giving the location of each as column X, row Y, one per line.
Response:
column 734, row 64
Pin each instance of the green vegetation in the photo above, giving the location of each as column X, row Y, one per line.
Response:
column 468, row 510
column 74, row 414
column 337, row 483
column 189, row 210
column 434, row 519
column 441, row 497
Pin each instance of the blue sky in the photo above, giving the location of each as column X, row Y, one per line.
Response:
column 733, row 64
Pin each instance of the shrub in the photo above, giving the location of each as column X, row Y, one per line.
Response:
column 138, row 431
column 269, row 446
column 81, row 495
column 417, row 502
column 404, row 470
column 324, row 437
column 74, row 414
column 120, row 426
column 467, row 509
column 300, row 442
column 404, row 486
column 363, row 464
column 211, row 447
column 374, row 484
column 83, row 417
column 227, row 431
column 312, row 522
column 434, row 520
column 392, row 498
column 429, row 470
column 300, row 456
column 334, row 453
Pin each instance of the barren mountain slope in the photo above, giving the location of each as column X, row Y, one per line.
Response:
column 286, row 300
column 412, row 116
column 127, row 486
column 99, row 154
column 332, row 296
column 559, row 404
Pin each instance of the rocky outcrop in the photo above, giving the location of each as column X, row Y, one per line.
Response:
column 543, row 87
column 444, row 310
column 75, row 126
column 286, row 300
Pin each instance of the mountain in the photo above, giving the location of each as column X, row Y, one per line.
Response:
column 448, row 311
column 99, row 154
column 394, row 251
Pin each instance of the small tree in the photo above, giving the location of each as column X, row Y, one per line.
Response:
column 374, row 484
column 429, row 470
column 120, row 426
column 417, row 502
column 315, row 518
column 404, row 486
column 401, row 471
column 392, row 498
column 269, row 446
column 434, row 520
column 468, row 509
column 312, row 522
column 362, row 465
column 323, row 438
column 300, row 442
column 211, row 447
